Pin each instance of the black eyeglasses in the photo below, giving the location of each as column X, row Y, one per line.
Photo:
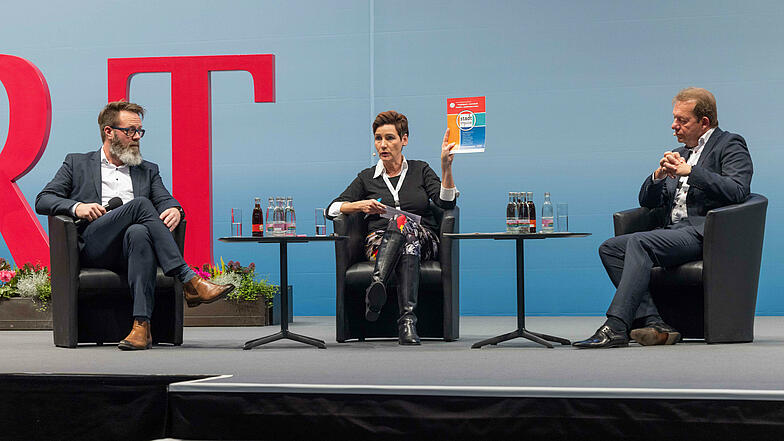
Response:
column 130, row 131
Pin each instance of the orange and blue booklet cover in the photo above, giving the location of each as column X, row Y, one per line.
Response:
column 466, row 120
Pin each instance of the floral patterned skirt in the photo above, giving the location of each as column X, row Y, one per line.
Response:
column 420, row 240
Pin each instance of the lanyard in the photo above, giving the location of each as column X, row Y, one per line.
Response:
column 395, row 190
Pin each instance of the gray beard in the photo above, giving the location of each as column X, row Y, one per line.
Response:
column 124, row 154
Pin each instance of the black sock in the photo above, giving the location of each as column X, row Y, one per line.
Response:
column 616, row 324
column 653, row 320
column 141, row 318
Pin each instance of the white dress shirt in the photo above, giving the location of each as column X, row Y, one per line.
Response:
column 679, row 210
column 115, row 182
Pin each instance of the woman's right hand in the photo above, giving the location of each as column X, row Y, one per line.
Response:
column 368, row 206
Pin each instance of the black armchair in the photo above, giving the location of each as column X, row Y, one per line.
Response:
column 714, row 298
column 93, row 305
column 438, row 308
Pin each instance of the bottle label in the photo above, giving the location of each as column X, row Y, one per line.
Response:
column 258, row 228
column 547, row 223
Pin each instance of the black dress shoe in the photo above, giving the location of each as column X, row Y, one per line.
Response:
column 604, row 337
column 656, row 334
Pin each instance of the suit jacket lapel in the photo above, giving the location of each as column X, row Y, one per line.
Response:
column 94, row 171
column 137, row 175
column 714, row 139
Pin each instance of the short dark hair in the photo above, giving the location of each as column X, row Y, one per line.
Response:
column 108, row 116
column 705, row 103
column 391, row 117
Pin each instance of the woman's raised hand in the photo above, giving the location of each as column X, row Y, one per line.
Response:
column 446, row 151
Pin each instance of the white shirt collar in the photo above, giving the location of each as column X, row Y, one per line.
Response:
column 381, row 170
column 702, row 141
column 105, row 160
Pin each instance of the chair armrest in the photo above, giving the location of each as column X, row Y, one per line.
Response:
column 179, row 239
column 450, row 223
column 64, row 262
column 637, row 219
column 732, row 254
column 449, row 257
column 351, row 250
column 347, row 253
column 179, row 235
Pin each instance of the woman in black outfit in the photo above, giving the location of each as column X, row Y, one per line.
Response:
column 398, row 244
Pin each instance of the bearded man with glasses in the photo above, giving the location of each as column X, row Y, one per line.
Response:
column 134, row 238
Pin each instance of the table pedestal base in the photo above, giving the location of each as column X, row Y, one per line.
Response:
column 285, row 334
column 524, row 333
column 542, row 339
column 284, row 292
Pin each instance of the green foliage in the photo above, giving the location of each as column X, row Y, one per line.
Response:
column 44, row 296
column 8, row 290
column 251, row 290
column 247, row 288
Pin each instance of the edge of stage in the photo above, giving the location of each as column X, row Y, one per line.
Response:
column 209, row 388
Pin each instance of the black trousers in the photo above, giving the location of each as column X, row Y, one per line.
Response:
column 629, row 259
column 132, row 239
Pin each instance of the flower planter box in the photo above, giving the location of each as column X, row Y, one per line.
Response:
column 229, row 313
column 22, row 314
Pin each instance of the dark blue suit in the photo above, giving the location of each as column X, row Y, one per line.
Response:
column 721, row 176
column 131, row 238
column 79, row 180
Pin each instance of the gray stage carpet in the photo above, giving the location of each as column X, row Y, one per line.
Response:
column 753, row 367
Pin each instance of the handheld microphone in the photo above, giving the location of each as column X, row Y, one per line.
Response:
column 113, row 203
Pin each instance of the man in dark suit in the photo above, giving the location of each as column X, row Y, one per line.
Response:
column 711, row 170
column 134, row 238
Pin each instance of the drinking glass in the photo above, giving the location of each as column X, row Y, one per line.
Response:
column 563, row 217
column 236, row 222
column 321, row 222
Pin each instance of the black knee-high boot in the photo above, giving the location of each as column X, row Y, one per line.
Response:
column 386, row 259
column 407, row 293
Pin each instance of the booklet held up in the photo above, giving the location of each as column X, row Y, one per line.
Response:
column 467, row 123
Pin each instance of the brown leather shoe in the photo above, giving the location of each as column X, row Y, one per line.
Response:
column 139, row 338
column 656, row 334
column 198, row 291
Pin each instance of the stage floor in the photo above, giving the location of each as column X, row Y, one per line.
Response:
column 710, row 371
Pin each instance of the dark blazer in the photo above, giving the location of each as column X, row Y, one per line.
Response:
column 722, row 176
column 420, row 187
column 79, row 180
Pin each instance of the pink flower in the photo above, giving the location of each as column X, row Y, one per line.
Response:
column 200, row 273
column 6, row 276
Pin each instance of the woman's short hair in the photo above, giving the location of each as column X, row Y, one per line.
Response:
column 705, row 103
column 108, row 116
column 391, row 117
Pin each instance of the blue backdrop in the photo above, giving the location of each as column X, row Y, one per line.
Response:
column 578, row 104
